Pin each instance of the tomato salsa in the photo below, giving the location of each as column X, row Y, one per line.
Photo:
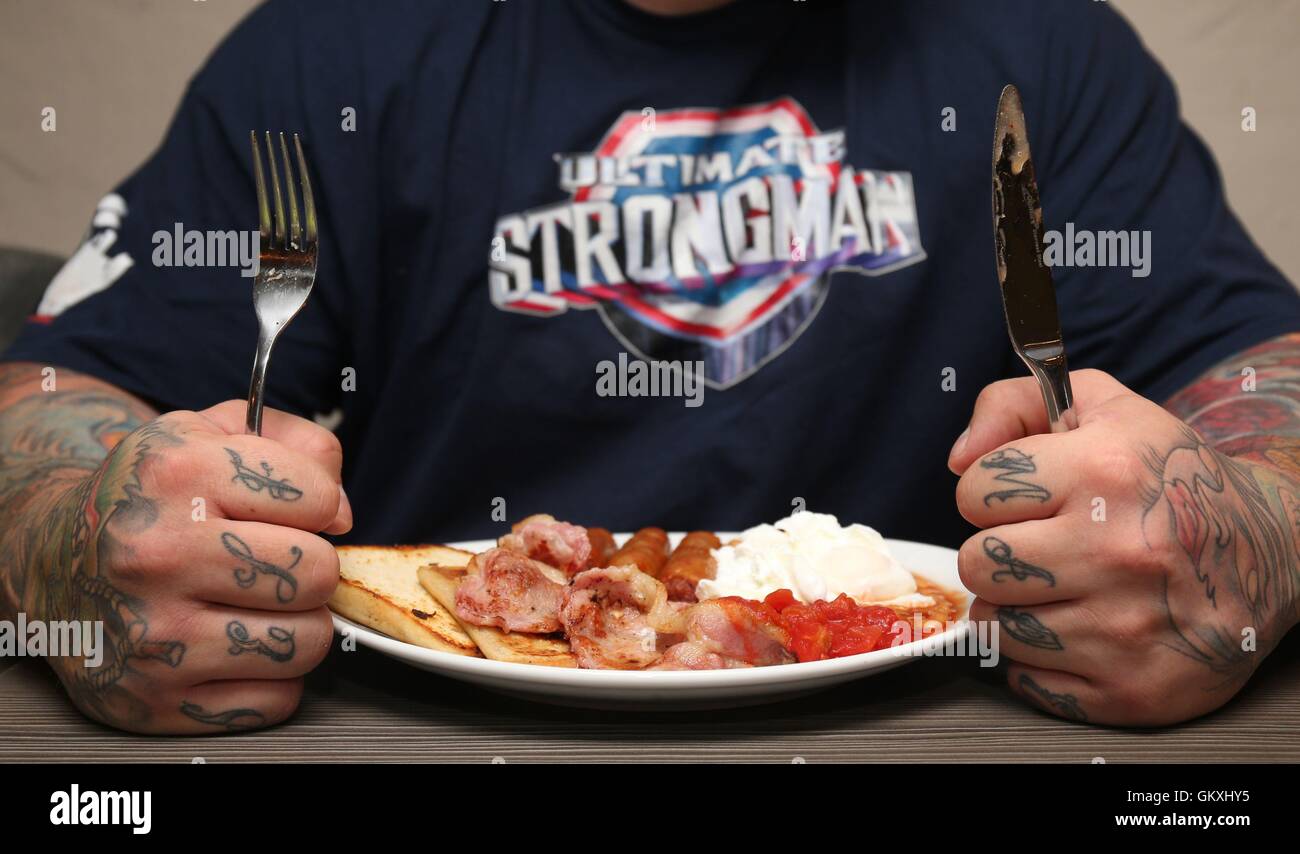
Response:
column 834, row 629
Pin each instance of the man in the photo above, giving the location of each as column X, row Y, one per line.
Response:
column 786, row 201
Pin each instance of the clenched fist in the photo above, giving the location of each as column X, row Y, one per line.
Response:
column 1137, row 575
column 197, row 548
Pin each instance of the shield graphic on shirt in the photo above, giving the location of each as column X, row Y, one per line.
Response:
column 710, row 236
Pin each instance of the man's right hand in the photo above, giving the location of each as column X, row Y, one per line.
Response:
column 197, row 548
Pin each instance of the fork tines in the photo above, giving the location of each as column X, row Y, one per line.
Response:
column 287, row 236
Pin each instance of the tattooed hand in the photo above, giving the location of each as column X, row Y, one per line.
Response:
column 1138, row 576
column 196, row 547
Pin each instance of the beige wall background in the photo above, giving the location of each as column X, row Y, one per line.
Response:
column 115, row 69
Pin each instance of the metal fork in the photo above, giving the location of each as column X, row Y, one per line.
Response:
column 287, row 263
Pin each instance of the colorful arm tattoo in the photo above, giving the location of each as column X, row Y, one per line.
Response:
column 1246, row 411
column 62, row 507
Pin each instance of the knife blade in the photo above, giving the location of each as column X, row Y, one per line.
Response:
column 1028, row 294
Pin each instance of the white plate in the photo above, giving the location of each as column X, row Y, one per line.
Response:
column 688, row 688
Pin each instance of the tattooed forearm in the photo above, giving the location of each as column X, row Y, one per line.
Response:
column 281, row 647
column 70, row 494
column 1249, row 406
column 52, row 438
column 1247, row 414
column 1013, row 466
column 1028, row 629
column 999, row 551
column 246, row 575
column 279, row 490
column 231, row 719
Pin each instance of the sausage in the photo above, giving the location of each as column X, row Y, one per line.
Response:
column 647, row 550
column 602, row 546
column 690, row 562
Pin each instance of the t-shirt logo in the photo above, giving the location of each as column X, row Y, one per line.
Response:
column 705, row 235
column 90, row 269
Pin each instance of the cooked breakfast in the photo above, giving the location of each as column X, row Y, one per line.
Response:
column 550, row 592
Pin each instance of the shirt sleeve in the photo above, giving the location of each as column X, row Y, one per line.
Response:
column 1115, row 156
column 172, row 319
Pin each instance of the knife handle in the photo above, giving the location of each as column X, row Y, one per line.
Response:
column 1047, row 364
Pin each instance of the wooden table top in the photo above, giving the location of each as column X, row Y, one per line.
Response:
column 362, row 707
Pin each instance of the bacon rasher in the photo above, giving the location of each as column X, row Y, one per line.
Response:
column 559, row 544
column 510, row 591
column 613, row 618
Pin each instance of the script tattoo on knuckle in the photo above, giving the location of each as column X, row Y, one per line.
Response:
column 280, row 649
column 230, row 719
column 1028, row 629
column 999, row 551
column 253, row 567
column 1065, row 705
column 279, row 489
column 1012, row 466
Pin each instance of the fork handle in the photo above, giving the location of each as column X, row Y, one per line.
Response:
column 1047, row 364
column 257, row 386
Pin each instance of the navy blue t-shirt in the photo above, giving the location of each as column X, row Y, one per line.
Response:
column 794, row 197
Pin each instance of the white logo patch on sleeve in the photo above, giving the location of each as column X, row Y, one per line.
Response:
column 90, row 269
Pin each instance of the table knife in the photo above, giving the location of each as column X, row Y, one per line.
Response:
column 1028, row 295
